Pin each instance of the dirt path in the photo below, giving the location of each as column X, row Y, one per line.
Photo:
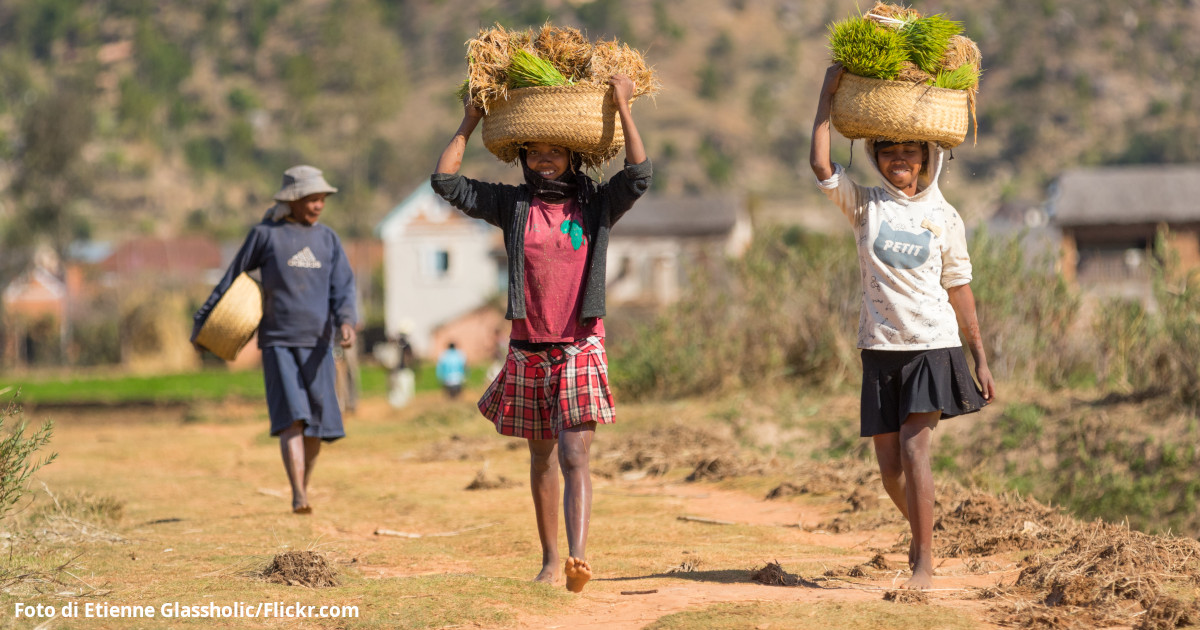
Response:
column 199, row 503
column 631, row 602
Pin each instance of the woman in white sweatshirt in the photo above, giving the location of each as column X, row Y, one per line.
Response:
column 916, row 274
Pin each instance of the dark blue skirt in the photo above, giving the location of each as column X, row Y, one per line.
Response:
column 301, row 385
column 897, row 383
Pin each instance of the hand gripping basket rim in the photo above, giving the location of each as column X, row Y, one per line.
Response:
column 582, row 118
column 234, row 319
column 899, row 111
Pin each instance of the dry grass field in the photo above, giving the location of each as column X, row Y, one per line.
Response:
column 156, row 507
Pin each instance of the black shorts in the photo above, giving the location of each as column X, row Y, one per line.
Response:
column 897, row 383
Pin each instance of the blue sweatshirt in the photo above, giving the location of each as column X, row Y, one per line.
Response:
column 308, row 286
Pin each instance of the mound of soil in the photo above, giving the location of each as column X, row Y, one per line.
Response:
column 906, row 597
column 456, row 448
column 662, row 448
column 774, row 575
column 485, row 481
column 301, row 568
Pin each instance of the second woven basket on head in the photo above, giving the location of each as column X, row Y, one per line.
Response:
column 234, row 320
column 899, row 111
column 581, row 118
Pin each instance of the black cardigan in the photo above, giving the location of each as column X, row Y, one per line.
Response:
column 507, row 207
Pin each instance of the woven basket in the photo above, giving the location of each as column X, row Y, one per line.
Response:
column 233, row 321
column 898, row 110
column 582, row 118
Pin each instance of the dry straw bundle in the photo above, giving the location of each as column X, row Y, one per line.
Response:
column 913, row 77
column 550, row 86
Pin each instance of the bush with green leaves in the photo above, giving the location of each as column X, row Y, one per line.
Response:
column 787, row 310
column 19, row 455
column 1026, row 310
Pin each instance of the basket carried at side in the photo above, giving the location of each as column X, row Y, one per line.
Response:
column 899, row 110
column 234, row 319
column 581, row 118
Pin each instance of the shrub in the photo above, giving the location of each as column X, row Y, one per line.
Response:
column 786, row 310
column 1025, row 311
column 18, row 456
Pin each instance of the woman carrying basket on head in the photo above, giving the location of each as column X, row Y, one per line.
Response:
column 916, row 274
column 553, row 388
column 308, row 298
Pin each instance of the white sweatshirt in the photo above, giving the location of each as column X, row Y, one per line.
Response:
column 910, row 250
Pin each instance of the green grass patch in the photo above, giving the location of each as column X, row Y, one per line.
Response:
column 204, row 385
column 963, row 77
column 926, row 40
column 1021, row 424
column 528, row 70
column 867, row 49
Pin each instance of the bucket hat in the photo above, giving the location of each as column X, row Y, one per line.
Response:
column 302, row 181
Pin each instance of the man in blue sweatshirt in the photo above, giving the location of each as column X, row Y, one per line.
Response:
column 308, row 299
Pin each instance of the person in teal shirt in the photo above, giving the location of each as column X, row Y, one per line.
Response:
column 452, row 370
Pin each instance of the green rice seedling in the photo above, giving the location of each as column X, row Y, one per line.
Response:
column 963, row 77
column 463, row 90
column 926, row 40
column 527, row 70
column 867, row 49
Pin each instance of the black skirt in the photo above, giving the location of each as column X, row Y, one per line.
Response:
column 897, row 383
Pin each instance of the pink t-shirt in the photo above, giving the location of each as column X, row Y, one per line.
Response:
column 556, row 250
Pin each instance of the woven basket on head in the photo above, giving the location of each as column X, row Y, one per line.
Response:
column 898, row 110
column 582, row 118
column 232, row 322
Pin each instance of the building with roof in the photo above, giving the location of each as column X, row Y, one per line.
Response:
column 438, row 265
column 1110, row 217
column 654, row 247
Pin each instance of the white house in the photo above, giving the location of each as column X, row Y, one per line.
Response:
column 438, row 264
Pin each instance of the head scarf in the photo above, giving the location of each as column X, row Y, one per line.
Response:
column 554, row 190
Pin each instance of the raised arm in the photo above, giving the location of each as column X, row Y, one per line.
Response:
column 452, row 155
column 818, row 155
column 963, row 301
column 635, row 152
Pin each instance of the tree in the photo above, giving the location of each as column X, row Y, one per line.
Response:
column 51, row 175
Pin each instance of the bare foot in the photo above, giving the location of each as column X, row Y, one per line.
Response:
column 922, row 579
column 302, row 509
column 549, row 574
column 578, row 573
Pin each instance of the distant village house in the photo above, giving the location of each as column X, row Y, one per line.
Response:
column 1110, row 218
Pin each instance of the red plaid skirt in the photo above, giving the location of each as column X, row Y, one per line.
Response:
column 538, row 394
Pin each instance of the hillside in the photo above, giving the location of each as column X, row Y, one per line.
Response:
column 131, row 116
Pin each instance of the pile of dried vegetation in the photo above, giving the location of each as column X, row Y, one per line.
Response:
column 710, row 454
column 499, row 60
column 301, row 568
column 1108, row 575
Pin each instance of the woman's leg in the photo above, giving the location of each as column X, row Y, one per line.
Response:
column 891, row 470
column 543, row 481
column 296, row 461
column 887, row 452
column 916, row 435
column 574, row 452
column 312, row 448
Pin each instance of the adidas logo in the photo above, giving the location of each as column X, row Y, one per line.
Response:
column 304, row 259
